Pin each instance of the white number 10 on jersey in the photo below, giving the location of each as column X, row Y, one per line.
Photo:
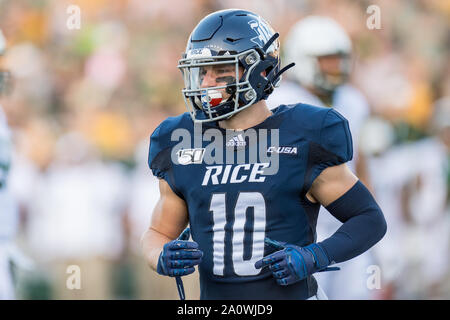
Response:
column 244, row 201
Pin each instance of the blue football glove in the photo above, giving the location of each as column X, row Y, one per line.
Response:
column 179, row 257
column 293, row 263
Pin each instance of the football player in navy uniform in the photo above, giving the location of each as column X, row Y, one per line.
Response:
column 253, row 215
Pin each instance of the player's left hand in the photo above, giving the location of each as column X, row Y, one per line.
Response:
column 292, row 263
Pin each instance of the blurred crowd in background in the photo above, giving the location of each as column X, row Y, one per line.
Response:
column 84, row 102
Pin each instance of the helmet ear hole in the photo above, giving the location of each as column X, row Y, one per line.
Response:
column 268, row 71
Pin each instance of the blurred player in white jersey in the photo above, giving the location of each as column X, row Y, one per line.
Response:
column 8, row 208
column 75, row 218
column 426, row 212
column 322, row 52
column 8, row 213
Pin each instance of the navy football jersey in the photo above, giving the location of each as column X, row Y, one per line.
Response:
column 235, row 204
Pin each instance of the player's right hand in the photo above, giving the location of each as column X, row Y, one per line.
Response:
column 292, row 263
column 178, row 258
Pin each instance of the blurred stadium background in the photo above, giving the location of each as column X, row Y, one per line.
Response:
column 85, row 101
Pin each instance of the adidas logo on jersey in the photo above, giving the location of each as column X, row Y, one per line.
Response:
column 236, row 141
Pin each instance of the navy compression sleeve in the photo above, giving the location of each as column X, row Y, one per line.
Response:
column 364, row 224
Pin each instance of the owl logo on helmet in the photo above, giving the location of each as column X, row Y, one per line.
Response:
column 263, row 33
column 241, row 46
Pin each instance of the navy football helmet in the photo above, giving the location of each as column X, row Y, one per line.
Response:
column 244, row 43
